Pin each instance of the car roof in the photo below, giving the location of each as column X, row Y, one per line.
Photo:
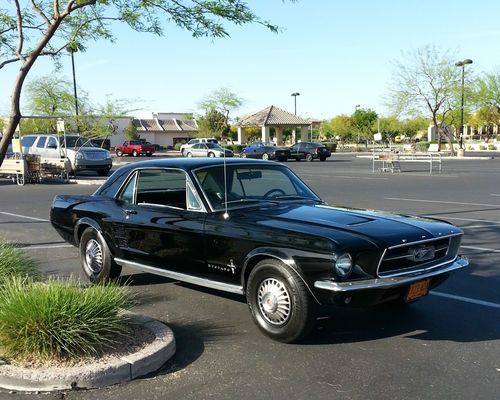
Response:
column 193, row 163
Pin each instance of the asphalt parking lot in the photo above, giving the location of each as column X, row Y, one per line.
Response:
column 446, row 346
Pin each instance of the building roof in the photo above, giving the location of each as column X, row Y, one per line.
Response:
column 272, row 116
column 164, row 125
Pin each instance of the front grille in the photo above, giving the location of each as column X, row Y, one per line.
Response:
column 95, row 155
column 413, row 256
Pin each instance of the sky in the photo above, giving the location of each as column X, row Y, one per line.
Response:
column 336, row 53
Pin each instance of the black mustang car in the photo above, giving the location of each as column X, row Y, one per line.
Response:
column 254, row 228
column 266, row 153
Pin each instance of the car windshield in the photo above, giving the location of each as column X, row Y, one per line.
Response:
column 76, row 141
column 249, row 185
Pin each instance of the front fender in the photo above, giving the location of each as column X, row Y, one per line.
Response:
column 317, row 264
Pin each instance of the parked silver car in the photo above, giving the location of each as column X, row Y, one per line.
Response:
column 80, row 151
column 208, row 150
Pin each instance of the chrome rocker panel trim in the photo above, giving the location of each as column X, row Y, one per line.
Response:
column 386, row 283
column 181, row 277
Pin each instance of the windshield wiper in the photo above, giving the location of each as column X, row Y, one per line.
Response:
column 295, row 197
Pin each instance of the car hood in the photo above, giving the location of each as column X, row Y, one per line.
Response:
column 349, row 227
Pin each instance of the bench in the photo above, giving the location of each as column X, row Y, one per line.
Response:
column 16, row 168
column 391, row 161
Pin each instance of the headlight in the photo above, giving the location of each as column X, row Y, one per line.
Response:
column 80, row 155
column 108, row 154
column 343, row 265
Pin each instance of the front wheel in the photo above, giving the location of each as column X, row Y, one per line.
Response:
column 119, row 153
column 135, row 153
column 190, row 154
column 96, row 259
column 211, row 154
column 280, row 302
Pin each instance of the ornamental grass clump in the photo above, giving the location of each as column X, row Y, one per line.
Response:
column 14, row 262
column 60, row 319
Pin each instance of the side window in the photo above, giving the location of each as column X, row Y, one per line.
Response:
column 52, row 143
column 28, row 141
column 41, row 142
column 162, row 187
column 127, row 194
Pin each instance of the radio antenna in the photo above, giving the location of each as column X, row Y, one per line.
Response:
column 226, row 215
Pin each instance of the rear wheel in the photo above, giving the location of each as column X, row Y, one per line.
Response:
column 280, row 302
column 309, row 157
column 211, row 154
column 265, row 156
column 95, row 257
column 322, row 159
column 149, row 154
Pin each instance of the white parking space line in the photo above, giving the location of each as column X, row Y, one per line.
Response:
column 465, row 299
column 442, row 202
column 345, row 177
column 480, row 249
column 24, row 216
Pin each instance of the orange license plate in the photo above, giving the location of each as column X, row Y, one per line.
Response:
column 417, row 290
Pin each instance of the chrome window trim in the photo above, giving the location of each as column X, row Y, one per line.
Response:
column 188, row 182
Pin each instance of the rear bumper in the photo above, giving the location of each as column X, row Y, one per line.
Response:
column 390, row 282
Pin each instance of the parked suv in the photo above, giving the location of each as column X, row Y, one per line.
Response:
column 192, row 142
column 81, row 152
column 309, row 151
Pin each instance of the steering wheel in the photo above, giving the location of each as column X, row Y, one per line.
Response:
column 276, row 192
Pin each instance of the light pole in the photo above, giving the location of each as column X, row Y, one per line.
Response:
column 72, row 50
column 462, row 64
column 356, row 109
column 295, row 94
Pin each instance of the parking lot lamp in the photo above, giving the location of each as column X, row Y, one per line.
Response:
column 295, row 94
column 462, row 64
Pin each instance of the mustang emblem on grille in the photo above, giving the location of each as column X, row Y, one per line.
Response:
column 423, row 253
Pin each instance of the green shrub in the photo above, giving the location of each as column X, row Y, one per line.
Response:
column 482, row 147
column 236, row 148
column 177, row 146
column 60, row 319
column 491, row 147
column 422, row 146
column 14, row 262
column 469, row 147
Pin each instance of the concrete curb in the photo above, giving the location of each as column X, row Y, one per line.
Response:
column 123, row 369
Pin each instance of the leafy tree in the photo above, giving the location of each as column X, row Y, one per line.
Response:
column 390, row 127
column 223, row 101
column 426, row 82
column 212, row 124
column 104, row 126
column 50, row 96
column 486, row 97
column 413, row 126
column 363, row 121
column 339, row 126
column 130, row 132
column 29, row 30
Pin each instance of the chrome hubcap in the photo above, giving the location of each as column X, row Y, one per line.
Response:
column 93, row 256
column 274, row 301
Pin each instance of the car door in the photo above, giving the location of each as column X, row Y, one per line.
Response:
column 162, row 221
column 294, row 151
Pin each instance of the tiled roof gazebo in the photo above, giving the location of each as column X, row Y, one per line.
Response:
column 272, row 117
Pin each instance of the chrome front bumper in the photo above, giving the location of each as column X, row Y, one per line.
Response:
column 390, row 282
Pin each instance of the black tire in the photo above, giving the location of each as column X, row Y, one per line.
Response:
column 265, row 156
column 243, row 155
column 211, row 155
column 189, row 154
column 119, row 153
column 149, row 154
column 103, row 172
column 95, row 257
column 309, row 157
column 135, row 153
column 288, row 318
column 322, row 159
column 282, row 159
column 297, row 159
